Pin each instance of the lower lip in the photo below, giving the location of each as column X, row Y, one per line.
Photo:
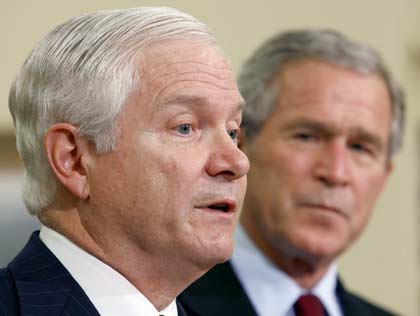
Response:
column 324, row 209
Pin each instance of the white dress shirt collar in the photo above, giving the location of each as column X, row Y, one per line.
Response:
column 108, row 290
column 271, row 291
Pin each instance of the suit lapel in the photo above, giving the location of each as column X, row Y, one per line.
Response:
column 79, row 304
column 44, row 286
column 218, row 292
column 181, row 310
column 348, row 305
column 354, row 305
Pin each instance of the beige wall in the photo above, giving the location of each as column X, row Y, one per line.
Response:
column 384, row 264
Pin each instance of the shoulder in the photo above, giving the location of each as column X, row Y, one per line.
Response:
column 9, row 278
column 217, row 293
column 8, row 294
column 353, row 304
column 220, row 276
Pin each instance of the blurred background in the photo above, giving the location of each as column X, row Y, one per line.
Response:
column 384, row 264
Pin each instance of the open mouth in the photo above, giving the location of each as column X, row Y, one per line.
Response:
column 223, row 207
column 220, row 207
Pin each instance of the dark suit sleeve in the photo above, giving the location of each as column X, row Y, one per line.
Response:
column 8, row 294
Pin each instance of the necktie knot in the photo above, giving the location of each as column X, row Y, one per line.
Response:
column 309, row 305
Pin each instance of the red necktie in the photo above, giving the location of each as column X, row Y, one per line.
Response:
column 309, row 305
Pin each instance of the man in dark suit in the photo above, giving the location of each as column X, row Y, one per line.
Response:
column 323, row 120
column 127, row 124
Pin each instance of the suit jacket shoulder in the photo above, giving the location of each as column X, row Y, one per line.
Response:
column 36, row 283
column 352, row 304
column 220, row 293
column 217, row 293
column 8, row 294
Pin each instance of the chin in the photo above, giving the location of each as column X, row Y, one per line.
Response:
column 320, row 250
column 209, row 256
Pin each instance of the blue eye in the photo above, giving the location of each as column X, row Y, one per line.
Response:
column 184, row 129
column 233, row 133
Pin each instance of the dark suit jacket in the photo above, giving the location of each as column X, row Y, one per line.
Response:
column 35, row 283
column 219, row 293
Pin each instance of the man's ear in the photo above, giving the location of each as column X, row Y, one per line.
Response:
column 65, row 151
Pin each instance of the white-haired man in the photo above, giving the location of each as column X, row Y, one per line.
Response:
column 323, row 120
column 127, row 124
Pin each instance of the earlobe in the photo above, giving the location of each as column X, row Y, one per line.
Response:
column 65, row 150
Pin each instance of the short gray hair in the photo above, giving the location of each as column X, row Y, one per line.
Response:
column 81, row 73
column 329, row 46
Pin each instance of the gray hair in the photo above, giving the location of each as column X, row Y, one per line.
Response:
column 81, row 73
column 259, row 71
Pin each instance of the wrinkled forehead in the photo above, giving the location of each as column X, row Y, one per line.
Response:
column 185, row 72
column 178, row 50
column 184, row 63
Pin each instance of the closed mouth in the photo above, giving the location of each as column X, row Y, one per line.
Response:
column 324, row 207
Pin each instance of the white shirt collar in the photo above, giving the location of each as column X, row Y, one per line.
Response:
column 107, row 289
column 271, row 291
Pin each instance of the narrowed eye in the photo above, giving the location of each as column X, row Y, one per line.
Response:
column 184, row 129
column 304, row 136
column 359, row 147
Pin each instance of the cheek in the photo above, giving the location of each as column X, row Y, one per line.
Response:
column 111, row 182
column 267, row 194
column 181, row 172
column 289, row 165
column 175, row 181
column 366, row 195
column 243, row 184
column 286, row 176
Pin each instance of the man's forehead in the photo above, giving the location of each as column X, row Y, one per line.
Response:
column 186, row 49
column 196, row 102
column 183, row 60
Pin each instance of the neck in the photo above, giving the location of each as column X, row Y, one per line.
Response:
column 304, row 269
column 158, row 278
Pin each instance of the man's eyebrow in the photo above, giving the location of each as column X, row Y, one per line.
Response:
column 195, row 100
column 308, row 124
column 370, row 138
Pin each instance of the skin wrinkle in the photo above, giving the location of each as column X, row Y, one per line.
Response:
column 180, row 65
column 192, row 100
column 204, row 70
column 196, row 104
column 214, row 72
column 193, row 77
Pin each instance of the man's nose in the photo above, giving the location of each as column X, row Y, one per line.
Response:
column 332, row 166
column 226, row 159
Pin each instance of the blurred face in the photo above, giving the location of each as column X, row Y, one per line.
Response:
column 176, row 181
column 319, row 163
